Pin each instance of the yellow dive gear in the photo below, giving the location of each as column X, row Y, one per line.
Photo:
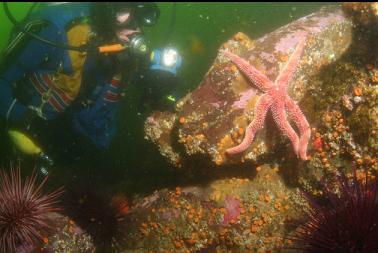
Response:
column 23, row 143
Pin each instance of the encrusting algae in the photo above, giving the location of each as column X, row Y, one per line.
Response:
column 226, row 215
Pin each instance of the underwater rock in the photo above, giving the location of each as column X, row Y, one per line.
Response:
column 364, row 120
column 343, row 138
column 365, row 14
column 158, row 128
column 214, row 116
column 68, row 237
column 228, row 215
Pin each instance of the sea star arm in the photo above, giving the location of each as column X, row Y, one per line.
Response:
column 254, row 75
column 302, row 124
column 261, row 110
column 279, row 116
column 288, row 71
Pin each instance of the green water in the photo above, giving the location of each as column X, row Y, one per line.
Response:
column 19, row 10
column 198, row 32
column 214, row 23
column 206, row 24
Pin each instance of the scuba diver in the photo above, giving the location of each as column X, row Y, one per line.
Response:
column 70, row 63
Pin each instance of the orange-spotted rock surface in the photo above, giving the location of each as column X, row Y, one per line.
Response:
column 214, row 117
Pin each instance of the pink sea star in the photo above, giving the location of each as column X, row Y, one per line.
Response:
column 276, row 99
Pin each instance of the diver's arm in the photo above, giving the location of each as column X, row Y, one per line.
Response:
column 98, row 121
column 30, row 58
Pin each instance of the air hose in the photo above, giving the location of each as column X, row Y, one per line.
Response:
column 51, row 43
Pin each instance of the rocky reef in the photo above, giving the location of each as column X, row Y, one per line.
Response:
column 252, row 201
column 214, row 116
column 237, row 214
column 67, row 237
column 239, row 209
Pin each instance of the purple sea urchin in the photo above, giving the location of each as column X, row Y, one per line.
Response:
column 347, row 223
column 24, row 211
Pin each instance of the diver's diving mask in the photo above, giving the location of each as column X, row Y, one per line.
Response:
column 147, row 14
column 143, row 14
column 127, row 23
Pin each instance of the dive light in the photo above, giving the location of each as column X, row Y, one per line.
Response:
column 169, row 57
